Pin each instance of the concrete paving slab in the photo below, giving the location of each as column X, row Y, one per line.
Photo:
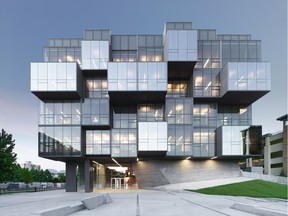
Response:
column 171, row 201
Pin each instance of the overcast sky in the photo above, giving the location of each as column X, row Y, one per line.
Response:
column 26, row 25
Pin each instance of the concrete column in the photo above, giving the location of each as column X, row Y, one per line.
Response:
column 88, row 176
column 285, row 150
column 267, row 155
column 71, row 179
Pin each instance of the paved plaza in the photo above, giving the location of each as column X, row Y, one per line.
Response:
column 168, row 201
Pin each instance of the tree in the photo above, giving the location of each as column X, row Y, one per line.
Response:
column 7, row 156
column 62, row 177
column 17, row 173
column 48, row 176
column 27, row 176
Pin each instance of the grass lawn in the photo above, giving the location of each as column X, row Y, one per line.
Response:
column 254, row 188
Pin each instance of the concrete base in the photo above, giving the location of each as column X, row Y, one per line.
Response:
column 89, row 203
column 93, row 202
column 256, row 210
column 60, row 210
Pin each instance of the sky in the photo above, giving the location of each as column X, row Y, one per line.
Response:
column 26, row 26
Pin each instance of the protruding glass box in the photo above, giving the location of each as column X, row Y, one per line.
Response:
column 247, row 81
column 246, row 76
column 140, row 76
column 229, row 140
column 152, row 136
column 95, row 55
column 180, row 45
column 48, row 77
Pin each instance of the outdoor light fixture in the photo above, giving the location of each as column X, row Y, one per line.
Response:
column 116, row 162
column 213, row 158
column 188, row 158
column 97, row 163
column 137, row 159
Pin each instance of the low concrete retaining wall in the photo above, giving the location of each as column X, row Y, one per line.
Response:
column 89, row 203
column 60, row 210
column 256, row 210
column 93, row 202
column 271, row 178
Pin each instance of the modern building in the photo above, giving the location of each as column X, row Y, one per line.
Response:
column 275, row 150
column 149, row 110
column 29, row 166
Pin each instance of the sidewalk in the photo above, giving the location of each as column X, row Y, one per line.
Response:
column 166, row 201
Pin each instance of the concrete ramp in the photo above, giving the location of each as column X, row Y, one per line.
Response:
column 148, row 174
column 155, row 173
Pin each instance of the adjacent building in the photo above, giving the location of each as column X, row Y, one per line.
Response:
column 30, row 166
column 275, row 151
column 149, row 110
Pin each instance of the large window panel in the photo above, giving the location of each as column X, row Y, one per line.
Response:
column 98, row 142
column 59, row 141
column 149, row 137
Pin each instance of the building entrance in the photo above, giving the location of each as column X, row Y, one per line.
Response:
column 118, row 183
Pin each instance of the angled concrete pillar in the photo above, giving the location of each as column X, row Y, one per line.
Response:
column 71, row 179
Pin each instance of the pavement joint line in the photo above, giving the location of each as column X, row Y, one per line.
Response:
column 137, row 206
column 24, row 203
column 205, row 207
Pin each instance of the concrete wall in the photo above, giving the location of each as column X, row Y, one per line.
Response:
column 154, row 173
column 275, row 147
column 271, row 178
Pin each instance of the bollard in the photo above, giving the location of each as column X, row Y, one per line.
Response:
column 137, row 206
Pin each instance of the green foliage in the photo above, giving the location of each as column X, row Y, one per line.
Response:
column 41, row 176
column 27, row 176
column 55, row 180
column 254, row 188
column 282, row 173
column 17, row 173
column 62, row 177
column 48, row 176
column 7, row 156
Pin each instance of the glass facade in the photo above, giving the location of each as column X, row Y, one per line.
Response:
column 150, row 112
column 122, row 76
column 208, row 54
column 180, row 140
column 232, row 143
column 62, row 54
column 98, row 142
column 152, row 136
column 95, row 111
column 59, row 113
column 130, row 100
column 234, row 115
column 180, row 45
column 142, row 76
column 96, row 87
column 177, row 89
column 54, row 77
column 246, row 76
column 206, row 83
column 59, row 140
column 95, row 55
column 179, row 110
column 124, row 143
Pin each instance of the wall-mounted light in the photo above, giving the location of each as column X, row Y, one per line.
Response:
column 213, row 158
column 116, row 162
column 188, row 158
